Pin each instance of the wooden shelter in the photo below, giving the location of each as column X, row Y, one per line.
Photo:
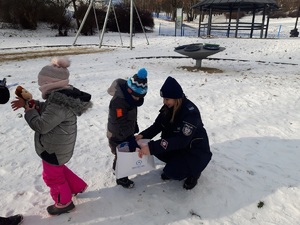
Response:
column 217, row 6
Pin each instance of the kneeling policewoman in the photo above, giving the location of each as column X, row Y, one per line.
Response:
column 184, row 144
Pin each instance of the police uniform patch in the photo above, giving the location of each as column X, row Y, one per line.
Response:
column 164, row 143
column 187, row 130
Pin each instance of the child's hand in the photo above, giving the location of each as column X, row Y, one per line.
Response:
column 29, row 106
column 144, row 151
column 17, row 103
column 138, row 137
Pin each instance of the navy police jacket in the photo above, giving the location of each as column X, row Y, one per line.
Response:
column 186, row 136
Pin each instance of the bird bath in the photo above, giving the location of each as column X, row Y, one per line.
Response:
column 198, row 51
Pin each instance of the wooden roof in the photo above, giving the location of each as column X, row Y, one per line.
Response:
column 234, row 4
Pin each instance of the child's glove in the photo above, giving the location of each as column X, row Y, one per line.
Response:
column 132, row 144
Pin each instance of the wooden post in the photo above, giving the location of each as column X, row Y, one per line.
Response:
column 200, row 17
column 209, row 22
column 263, row 22
column 237, row 22
column 253, row 21
column 267, row 26
column 229, row 22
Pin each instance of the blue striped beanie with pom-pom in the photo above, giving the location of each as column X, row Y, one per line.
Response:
column 138, row 83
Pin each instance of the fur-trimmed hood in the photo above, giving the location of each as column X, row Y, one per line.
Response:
column 71, row 98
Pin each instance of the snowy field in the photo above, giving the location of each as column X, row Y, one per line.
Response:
column 249, row 108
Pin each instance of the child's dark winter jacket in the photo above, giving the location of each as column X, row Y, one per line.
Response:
column 56, row 125
column 122, row 118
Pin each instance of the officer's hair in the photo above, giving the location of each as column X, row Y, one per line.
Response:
column 177, row 106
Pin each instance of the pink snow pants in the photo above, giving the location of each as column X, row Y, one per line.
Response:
column 62, row 182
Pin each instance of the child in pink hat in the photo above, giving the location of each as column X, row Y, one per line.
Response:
column 55, row 126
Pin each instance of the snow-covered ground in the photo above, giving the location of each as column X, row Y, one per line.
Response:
column 250, row 110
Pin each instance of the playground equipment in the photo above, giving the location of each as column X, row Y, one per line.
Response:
column 199, row 51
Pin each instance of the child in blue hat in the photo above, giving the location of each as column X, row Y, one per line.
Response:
column 127, row 96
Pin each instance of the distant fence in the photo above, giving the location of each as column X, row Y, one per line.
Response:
column 167, row 30
column 237, row 28
column 221, row 30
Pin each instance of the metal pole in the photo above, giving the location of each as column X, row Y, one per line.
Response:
column 131, row 22
column 141, row 23
column 83, row 21
column 297, row 18
column 198, row 63
column 105, row 22
column 159, row 28
column 95, row 13
column 117, row 24
column 175, row 24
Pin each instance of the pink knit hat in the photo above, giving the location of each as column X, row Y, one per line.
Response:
column 54, row 76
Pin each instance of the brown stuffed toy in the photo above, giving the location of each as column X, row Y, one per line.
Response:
column 26, row 95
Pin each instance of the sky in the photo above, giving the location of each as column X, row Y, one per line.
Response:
column 249, row 106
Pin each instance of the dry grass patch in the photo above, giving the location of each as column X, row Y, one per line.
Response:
column 49, row 52
column 204, row 69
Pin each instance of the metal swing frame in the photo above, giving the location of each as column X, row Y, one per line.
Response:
column 110, row 5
